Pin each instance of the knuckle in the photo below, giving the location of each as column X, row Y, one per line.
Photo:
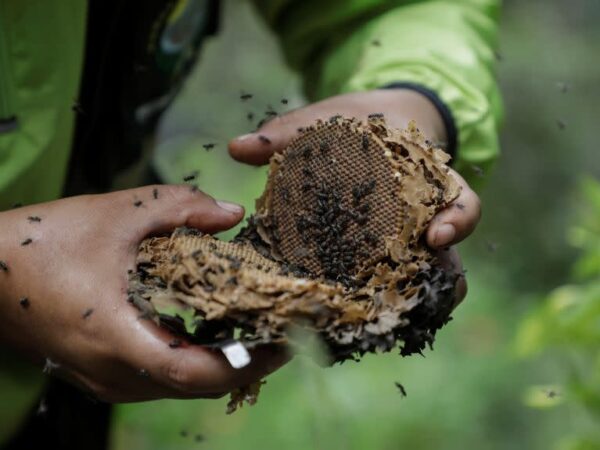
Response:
column 178, row 376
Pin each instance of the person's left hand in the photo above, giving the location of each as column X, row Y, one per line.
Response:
column 449, row 226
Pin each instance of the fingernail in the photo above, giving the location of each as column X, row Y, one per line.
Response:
column 230, row 207
column 244, row 137
column 445, row 234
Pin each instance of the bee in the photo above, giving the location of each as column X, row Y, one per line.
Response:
column 49, row 366
column 138, row 203
column 306, row 152
column 87, row 313
column 17, row 205
column 155, row 193
column 270, row 112
column 183, row 433
column 3, row 266
column 376, row 43
column 192, row 176
column 42, row 408
column 209, row 146
column 376, row 116
column 250, row 116
column 560, row 124
column 27, row 241
column 563, row 86
column 550, row 393
column 24, row 302
column 400, row 388
column 334, row 118
column 143, row 373
column 284, row 101
column 285, row 194
column 478, row 170
column 76, row 107
column 460, row 206
column 245, row 97
column 264, row 139
column 175, row 343
column 199, row 438
column 194, row 188
column 262, row 122
column 34, row 219
column 491, row 246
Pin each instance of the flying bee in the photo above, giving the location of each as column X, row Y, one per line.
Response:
column 561, row 124
column 245, row 97
column 209, row 146
column 138, row 203
column 76, row 107
column 192, row 176
column 478, row 170
column 49, row 366
column 563, row 86
column 284, row 101
column 400, row 388
column 34, row 219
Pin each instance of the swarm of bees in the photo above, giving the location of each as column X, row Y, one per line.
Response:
column 335, row 247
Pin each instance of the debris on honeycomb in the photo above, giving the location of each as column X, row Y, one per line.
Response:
column 335, row 246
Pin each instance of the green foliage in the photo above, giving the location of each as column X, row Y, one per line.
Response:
column 568, row 325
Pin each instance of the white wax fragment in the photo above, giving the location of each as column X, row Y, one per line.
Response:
column 236, row 354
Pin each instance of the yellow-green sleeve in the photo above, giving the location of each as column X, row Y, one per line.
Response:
column 446, row 47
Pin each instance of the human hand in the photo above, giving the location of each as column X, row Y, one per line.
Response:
column 449, row 226
column 63, row 295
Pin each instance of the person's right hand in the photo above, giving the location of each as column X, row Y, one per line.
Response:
column 74, row 275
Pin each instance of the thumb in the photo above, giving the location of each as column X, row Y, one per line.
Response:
column 161, row 208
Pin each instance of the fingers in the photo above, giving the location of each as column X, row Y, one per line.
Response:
column 458, row 220
column 190, row 370
column 161, row 208
column 399, row 106
column 256, row 148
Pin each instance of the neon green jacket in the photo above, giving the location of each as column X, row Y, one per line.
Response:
column 446, row 46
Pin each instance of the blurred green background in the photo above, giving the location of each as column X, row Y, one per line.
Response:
column 519, row 367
